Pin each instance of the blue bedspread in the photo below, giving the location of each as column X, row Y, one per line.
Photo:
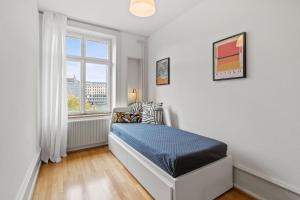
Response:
column 175, row 151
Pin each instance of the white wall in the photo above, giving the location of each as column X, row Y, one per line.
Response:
column 132, row 46
column 258, row 117
column 133, row 75
column 19, row 138
column 134, row 78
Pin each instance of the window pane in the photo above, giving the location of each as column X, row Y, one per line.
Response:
column 96, row 49
column 96, row 88
column 73, row 85
column 73, row 46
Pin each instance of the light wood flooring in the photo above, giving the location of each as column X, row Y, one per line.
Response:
column 95, row 174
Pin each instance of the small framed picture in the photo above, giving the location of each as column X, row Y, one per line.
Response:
column 229, row 58
column 163, row 72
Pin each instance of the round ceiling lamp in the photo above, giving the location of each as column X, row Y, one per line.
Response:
column 142, row 8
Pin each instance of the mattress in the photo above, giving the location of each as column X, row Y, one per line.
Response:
column 173, row 150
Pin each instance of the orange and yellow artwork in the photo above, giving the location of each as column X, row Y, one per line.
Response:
column 163, row 72
column 230, row 58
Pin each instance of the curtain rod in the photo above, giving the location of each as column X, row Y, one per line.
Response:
column 88, row 23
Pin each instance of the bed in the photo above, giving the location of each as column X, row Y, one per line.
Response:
column 172, row 164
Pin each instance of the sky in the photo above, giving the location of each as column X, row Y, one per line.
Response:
column 94, row 72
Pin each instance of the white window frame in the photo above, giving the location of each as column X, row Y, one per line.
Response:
column 83, row 60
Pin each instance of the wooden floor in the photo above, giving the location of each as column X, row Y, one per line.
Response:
column 95, row 174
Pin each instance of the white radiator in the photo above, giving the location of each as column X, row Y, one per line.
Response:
column 87, row 133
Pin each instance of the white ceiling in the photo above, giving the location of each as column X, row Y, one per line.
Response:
column 115, row 14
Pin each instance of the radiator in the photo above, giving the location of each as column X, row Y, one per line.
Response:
column 87, row 133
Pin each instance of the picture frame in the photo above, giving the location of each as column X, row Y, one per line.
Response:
column 229, row 58
column 163, row 71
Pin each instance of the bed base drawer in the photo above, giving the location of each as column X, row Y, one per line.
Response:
column 157, row 187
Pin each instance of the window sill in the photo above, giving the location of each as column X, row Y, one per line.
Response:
column 91, row 116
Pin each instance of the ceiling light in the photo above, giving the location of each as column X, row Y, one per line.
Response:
column 142, row 8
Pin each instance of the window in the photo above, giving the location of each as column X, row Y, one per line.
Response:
column 88, row 69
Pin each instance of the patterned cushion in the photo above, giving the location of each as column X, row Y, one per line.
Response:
column 126, row 117
column 136, row 107
column 149, row 110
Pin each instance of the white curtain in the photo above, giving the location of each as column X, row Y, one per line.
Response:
column 53, row 88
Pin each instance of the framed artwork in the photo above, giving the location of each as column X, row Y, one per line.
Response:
column 229, row 58
column 163, row 72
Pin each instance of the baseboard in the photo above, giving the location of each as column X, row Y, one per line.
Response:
column 235, row 185
column 86, row 146
column 260, row 188
column 28, row 184
column 31, row 186
column 269, row 179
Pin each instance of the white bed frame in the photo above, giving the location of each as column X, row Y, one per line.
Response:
column 205, row 183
